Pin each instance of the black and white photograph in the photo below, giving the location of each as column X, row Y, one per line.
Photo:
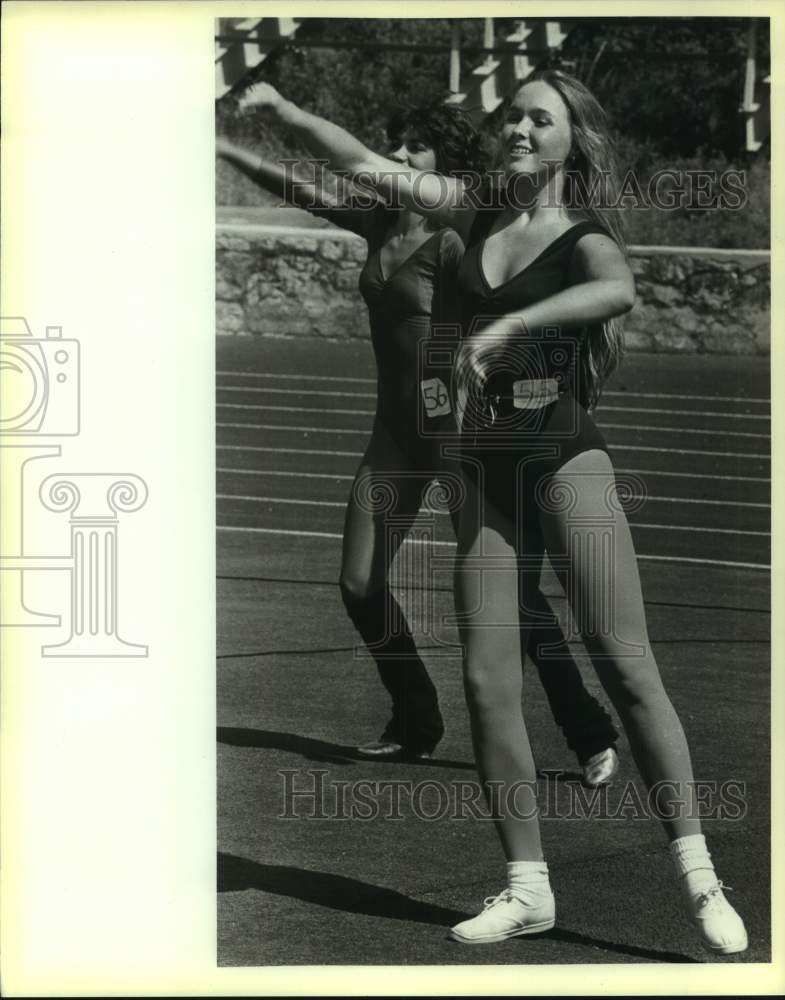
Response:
column 390, row 596
column 493, row 522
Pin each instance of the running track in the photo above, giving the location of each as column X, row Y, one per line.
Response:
column 292, row 420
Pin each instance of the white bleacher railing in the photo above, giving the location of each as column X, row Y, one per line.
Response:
column 243, row 43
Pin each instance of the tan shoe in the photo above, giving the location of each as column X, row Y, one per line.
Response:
column 600, row 769
column 389, row 750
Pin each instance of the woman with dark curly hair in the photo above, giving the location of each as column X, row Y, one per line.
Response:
column 408, row 283
column 457, row 146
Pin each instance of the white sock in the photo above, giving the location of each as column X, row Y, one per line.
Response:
column 693, row 864
column 528, row 880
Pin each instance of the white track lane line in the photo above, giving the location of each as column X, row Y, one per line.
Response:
column 358, row 454
column 303, row 378
column 631, row 496
column 611, row 392
column 687, row 451
column 680, row 413
column 696, row 475
column 283, row 472
column 288, row 451
column 605, row 409
column 301, row 503
column 294, row 409
column 713, row 503
column 297, row 392
column 420, row 541
column 602, row 425
column 613, row 447
column 710, row 531
column 372, row 395
column 306, row 430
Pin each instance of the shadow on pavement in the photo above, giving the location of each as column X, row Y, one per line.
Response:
column 646, row 954
column 319, row 751
column 336, row 891
column 339, row 892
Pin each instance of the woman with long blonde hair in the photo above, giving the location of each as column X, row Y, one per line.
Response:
column 542, row 284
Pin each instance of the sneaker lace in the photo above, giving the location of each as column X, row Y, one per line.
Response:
column 505, row 896
column 712, row 895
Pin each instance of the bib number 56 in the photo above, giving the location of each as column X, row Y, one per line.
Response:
column 435, row 397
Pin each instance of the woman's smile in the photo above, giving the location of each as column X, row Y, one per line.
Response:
column 537, row 129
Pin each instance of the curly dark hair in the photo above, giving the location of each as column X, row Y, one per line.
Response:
column 448, row 130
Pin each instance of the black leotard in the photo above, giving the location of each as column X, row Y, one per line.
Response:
column 514, row 449
column 402, row 307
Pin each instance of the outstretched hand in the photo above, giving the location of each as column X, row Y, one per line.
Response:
column 260, row 95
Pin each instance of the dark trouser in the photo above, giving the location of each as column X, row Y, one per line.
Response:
column 416, row 721
column 586, row 725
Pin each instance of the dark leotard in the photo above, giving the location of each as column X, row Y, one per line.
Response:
column 402, row 307
column 514, row 449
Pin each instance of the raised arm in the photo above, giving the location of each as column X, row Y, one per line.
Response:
column 290, row 184
column 429, row 194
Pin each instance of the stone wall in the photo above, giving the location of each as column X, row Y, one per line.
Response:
column 284, row 280
column 288, row 282
column 700, row 301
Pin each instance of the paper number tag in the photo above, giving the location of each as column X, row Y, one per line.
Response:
column 533, row 394
column 435, row 397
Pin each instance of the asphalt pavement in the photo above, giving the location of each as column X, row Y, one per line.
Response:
column 304, row 879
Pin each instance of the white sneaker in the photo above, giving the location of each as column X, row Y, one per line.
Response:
column 721, row 928
column 599, row 769
column 505, row 916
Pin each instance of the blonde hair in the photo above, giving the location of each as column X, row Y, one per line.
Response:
column 591, row 185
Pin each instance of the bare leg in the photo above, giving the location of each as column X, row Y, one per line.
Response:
column 486, row 596
column 590, row 543
column 586, row 725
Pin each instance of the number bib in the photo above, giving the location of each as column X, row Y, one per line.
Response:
column 533, row 394
column 435, row 397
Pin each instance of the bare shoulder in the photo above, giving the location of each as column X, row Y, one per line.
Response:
column 596, row 254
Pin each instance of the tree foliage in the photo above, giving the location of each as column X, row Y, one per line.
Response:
column 672, row 87
column 674, row 84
